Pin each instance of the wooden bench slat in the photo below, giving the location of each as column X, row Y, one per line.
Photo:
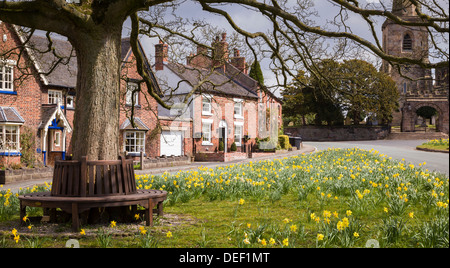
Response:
column 91, row 180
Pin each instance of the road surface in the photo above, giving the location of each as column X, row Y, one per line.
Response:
column 396, row 149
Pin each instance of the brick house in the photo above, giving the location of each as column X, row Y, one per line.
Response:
column 42, row 103
column 227, row 106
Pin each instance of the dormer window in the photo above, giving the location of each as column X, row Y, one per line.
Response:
column 132, row 95
column 407, row 43
column 55, row 97
column 6, row 77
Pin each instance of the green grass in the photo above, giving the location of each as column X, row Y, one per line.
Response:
column 439, row 145
column 332, row 198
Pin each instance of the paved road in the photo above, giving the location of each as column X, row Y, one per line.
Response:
column 397, row 149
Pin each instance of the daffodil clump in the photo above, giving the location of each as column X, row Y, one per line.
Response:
column 332, row 198
column 329, row 184
column 437, row 144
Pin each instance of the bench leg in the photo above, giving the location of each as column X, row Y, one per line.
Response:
column 23, row 213
column 160, row 209
column 149, row 213
column 75, row 218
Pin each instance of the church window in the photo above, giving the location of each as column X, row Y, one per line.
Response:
column 407, row 43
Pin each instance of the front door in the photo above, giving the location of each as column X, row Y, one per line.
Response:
column 223, row 132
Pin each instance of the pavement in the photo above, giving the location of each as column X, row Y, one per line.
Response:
column 16, row 186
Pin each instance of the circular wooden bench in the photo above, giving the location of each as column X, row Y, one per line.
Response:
column 81, row 185
column 76, row 205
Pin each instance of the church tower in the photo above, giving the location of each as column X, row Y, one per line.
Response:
column 406, row 41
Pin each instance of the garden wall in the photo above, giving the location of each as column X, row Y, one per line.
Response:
column 23, row 174
column 339, row 133
column 169, row 161
column 219, row 156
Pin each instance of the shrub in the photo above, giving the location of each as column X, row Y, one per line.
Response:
column 233, row 147
column 283, row 140
column 221, row 146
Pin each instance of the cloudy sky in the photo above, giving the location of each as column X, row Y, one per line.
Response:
column 253, row 21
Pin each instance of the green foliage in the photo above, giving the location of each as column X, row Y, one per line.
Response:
column 354, row 87
column 256, row 73
column 233, row 147
column 27, row 143
column 283, row 140
column 426, row 112
column 221, row 146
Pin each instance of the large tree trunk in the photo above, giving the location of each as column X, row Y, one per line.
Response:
column 96, row 121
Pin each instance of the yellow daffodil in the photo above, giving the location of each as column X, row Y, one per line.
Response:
column 320, row 237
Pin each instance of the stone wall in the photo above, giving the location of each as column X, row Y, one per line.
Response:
column 16, row 175
column 338, row 133
column 161, row 162
column 219, row 156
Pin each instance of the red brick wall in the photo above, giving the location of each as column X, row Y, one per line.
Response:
column 146, row 110
column 223, row 110
column 28, row 99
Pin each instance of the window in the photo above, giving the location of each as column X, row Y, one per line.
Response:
column 6, row 77
column 9, row 138
column 238, row 110
column 57, row 139
column 405, row 87
column 407, row 43
column 55, row 97
column 206, row 105
column 206, row 131
column 238, row 134
column 132, row 95
column 69, row 101
column 135, row 141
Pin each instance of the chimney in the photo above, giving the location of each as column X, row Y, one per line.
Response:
column 220, row 53
column 161, row 55
column 201, row 59
column 239, row 62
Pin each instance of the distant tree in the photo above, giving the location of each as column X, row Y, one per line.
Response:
column 354, row 87
column 366, row 91
column 426, row 112
column 256, row 73
column 298, row 98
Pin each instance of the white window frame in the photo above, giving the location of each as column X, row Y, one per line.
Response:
column 131, row 92
column 207, row 135
column 206, row 100
column 57, row 139
column 55, row 97
column 72, row 99
column 240, row 134
column 133, row 136
column 6, row 79
column 240, row 106
column 4, row 146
